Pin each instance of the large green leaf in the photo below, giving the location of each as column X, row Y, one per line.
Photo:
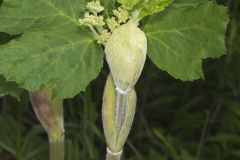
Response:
column 180, row 37
column 9, row 88
column 188, row 3
column 53, row 50
column 20, row 16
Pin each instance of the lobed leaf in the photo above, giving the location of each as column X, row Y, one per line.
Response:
column 53, row 51
column 65, row 62
column 179, row 38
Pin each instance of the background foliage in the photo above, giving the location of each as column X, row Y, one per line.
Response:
column 175, row 120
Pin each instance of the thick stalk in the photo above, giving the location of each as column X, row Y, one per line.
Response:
column 50, row 114
column 56, row 149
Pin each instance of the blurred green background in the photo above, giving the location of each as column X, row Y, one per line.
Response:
column 174, row 120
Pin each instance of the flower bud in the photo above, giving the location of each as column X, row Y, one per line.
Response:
column 126, row 52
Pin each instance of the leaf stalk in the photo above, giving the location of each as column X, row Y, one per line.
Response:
column 49, row 112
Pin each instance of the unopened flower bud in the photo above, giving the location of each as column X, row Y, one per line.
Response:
column 95, row 7
column 126, row 52
column 122, row 14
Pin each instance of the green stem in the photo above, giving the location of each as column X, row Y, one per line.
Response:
column 113, row 156
column 96, row 35
column 57, row 149
column 50, row 114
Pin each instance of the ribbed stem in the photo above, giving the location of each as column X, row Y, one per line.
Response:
column 56, row 149
column 113, row 156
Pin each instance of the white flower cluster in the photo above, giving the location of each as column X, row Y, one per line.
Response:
column 90, row 19
column 112, row 23
column 122, row 14
column 95, row 7
column 96, row 22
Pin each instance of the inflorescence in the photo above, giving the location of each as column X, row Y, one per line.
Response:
column 103, row 28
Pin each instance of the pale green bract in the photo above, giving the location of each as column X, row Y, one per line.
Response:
column 185, row 34
column 126, row 52
column 115, row 138
column 53, row 51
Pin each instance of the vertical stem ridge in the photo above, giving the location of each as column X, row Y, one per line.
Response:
column 121, row 109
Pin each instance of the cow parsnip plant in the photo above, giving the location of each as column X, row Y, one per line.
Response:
column 62, row 45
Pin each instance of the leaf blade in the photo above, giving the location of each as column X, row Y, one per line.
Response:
column 181, row 37
column 20, row 16
column 57, row 66
column 9, row 88
column 52, row 51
